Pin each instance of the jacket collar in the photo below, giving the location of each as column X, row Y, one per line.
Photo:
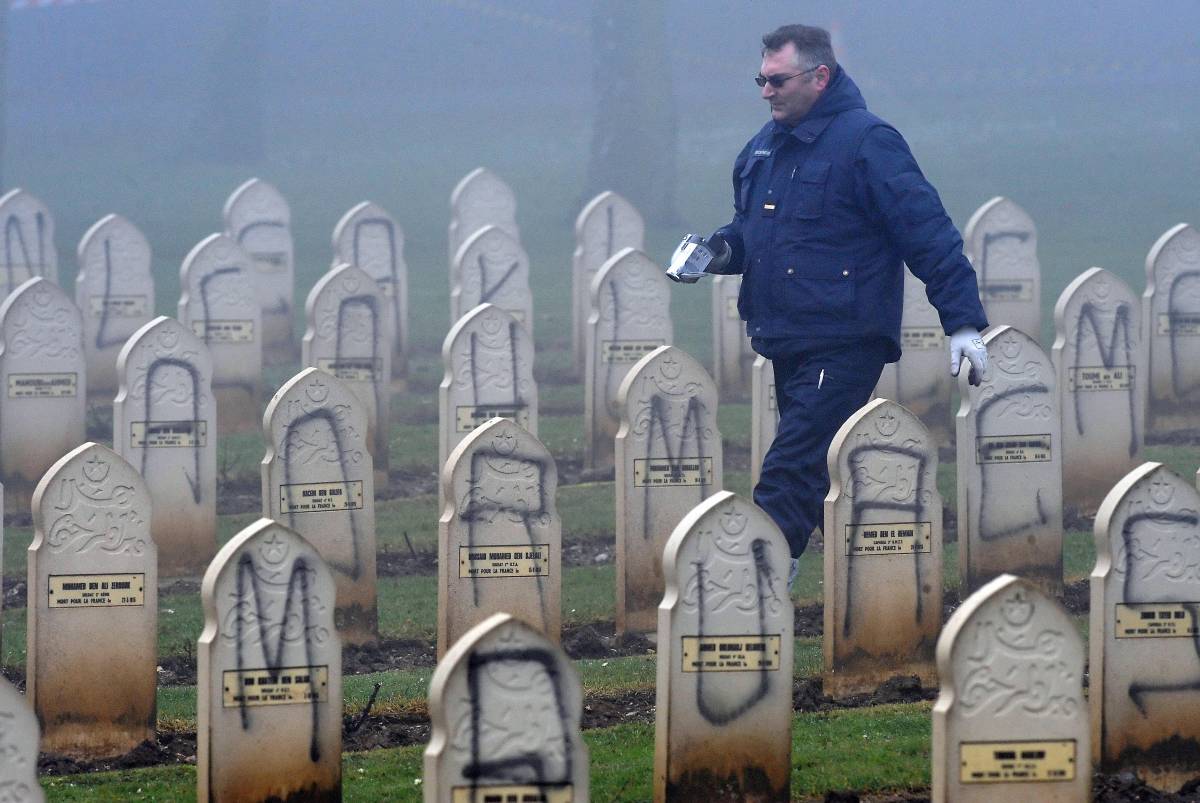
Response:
column 841, row 95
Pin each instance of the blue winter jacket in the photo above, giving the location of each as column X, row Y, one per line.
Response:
column 826, row 213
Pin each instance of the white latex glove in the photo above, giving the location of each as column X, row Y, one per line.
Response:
column 966, row 343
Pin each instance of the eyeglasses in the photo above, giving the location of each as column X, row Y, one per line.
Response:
column 778, row 81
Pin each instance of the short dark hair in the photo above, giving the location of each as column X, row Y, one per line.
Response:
column 812, row 44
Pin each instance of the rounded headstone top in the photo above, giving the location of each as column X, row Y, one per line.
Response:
column 880, row 423
column 116, row 228
column 670, row 370
column 1015, row 360
column 353, row 223
column 515, row 452
column 35, row 311
column 488, row 319
column 483, row 188
column 624, row 214
column 1099, row 288
column 341, row 281
column 1150, row 492
column 313, row 389
column 490, row 242
column 997, row 213
column 1177, row 249
column 166, row 335
column 215, row 252
column 632, row 265
column 254, row 200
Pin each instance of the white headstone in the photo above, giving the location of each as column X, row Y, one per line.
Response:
column 165, row 425
column 629, row 316
column 491, row 267
column 317, row 480
column 269, row 672
column 93, row 606
column 723, row 728
column 732, row 356
column 217, row 302
column 19, row 736
column 258, row 218
column 1001, row 242
column 764, row 415
column 481, row 198
column 28, row 241
column 1171, row 330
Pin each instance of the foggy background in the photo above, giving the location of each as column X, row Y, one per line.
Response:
column 1084, row 113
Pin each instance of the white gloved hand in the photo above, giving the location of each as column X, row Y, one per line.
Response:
column 966, row 343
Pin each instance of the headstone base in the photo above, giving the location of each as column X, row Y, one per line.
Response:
column 238, row 410
column 186, row 544
column 355, row 624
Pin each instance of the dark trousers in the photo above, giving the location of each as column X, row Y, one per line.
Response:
column 816, row 390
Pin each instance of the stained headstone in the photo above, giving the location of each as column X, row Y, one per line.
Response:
column 258, row 219
column 505, row 706
column 607, row 224
column 732, row 356
column 883, row 551
column 1009, row 466
column 218, row 304
column 317, row 480
column 43, row 376
column 764, row 415
column 28, row 241
column 1101, row 379
column 1145, row 628
column 1001, row 241
column 491, row 267
column 349, row 329
column 499, row 536
column 629, row 316
column 1010, row 722
column 481, row 198
column 668, row 458
column 93, row 606
column 165, row 425
column 114, row 290
column 268, row 672
column 723, row 728
column 1171, row 330
column 488, row 361
column 19, row 736
column 368, row 237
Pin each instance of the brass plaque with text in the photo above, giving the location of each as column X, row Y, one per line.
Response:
column 118, row 306
column 228, row 331
column 42, row 386
column 1017, row 762
column 737, row 653
column 1012, row 449
column 152, row 434
column 513, row 793
column 80, row 591
column 1157, row 619
column 1097, row 377
column 284, row 686
column 1180, row 324
column 504, row 560
column 352, row 369
column 467, row 418
column 623, row 351
column 660, row 471
column 320, row 497
column 893, row 538
column 270, row 261
column 1007, row 290
column 919, row 338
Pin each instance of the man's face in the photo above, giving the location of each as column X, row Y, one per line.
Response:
column 791, row 101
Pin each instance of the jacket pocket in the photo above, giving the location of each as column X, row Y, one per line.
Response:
column 808, row 190
column 815, row 287
column 746, row 184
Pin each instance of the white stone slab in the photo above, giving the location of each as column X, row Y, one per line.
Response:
column 629, row 316
column 165, row 425
column 370, row 238
column 43, row 377
column 668, row 460
column 217, row 302
column 1101, row 384
column 883, row 551
column 317, row 479
column 19, row 735
column 491, row 267
column 1010, row 722
column 114, row 290
column 1145, row 628
column 257, row 217
column 723, row 714
column 732, row 356
column 505, row 706
column 269, row 672
column 764, row 415
column 1001, row 242
column 481, row 198
column 27, row 243
column 1171, row 330
column 92, row 638
column 1009, row 466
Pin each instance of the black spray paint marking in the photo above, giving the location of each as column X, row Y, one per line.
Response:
column 1087, row 313
column 14, row 230
column 1042, row 518
column 990, row 238
column 519, row 767
column 1177, row 384
column 194, row 375
column 857, row 508
column 371, row 304
column 675, row 457
column 290, row 432
column 1138, row 691
column 608, row 246
column 101, row 341
column 486, row 293
column 393, row 270
column 274, row 663
column 283, row 304
column 762, row 573
column 517, row 403
column 207, row 318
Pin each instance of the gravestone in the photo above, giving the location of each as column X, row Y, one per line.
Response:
column 668, row 458
column 92, row 639
column 1171, row 330
column 258, row 219
column 499, row 535
column 505, row 706
column 317, row 480
column 1101, row 384
column 607, row 224
column 268, row 672
column 883, row 551
column 488, row 361
column 368, row 237
column 28, row 241
column 1010, row 722
column 481, row 198
column 43, row 376
column 1145, row 628
column 349, row 329
column 1001, row 242
column 629, row 316
column 165, row 425
column 921, row 380
column 218, row 304
column 491, row 267
column 19, row 736
column 723, row 727
column 764, row 415
column 732, row 356
column 114, row 290
column 1009, row 466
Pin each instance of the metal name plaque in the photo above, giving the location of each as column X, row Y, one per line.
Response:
column 1180, row 324
column 893, row 538
column 42, row 386
column 467, row 418
column 504, row 560
column 920, row 338
column 623, row 351
column 270, row 261
column 285, row 686
column 660, row 471
column 320, row 497
column 1097, row 377
column 1012, row 449
column 96, row 590
column 118, row 306
column 1016, row 762
column 352, row 369
column 224, row 331
column 1157, row 619
column 513, row 793
column 740, row 653
column 1008, row 290
column 153, row 434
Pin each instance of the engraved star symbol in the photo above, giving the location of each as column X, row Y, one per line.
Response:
column 274, row 549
